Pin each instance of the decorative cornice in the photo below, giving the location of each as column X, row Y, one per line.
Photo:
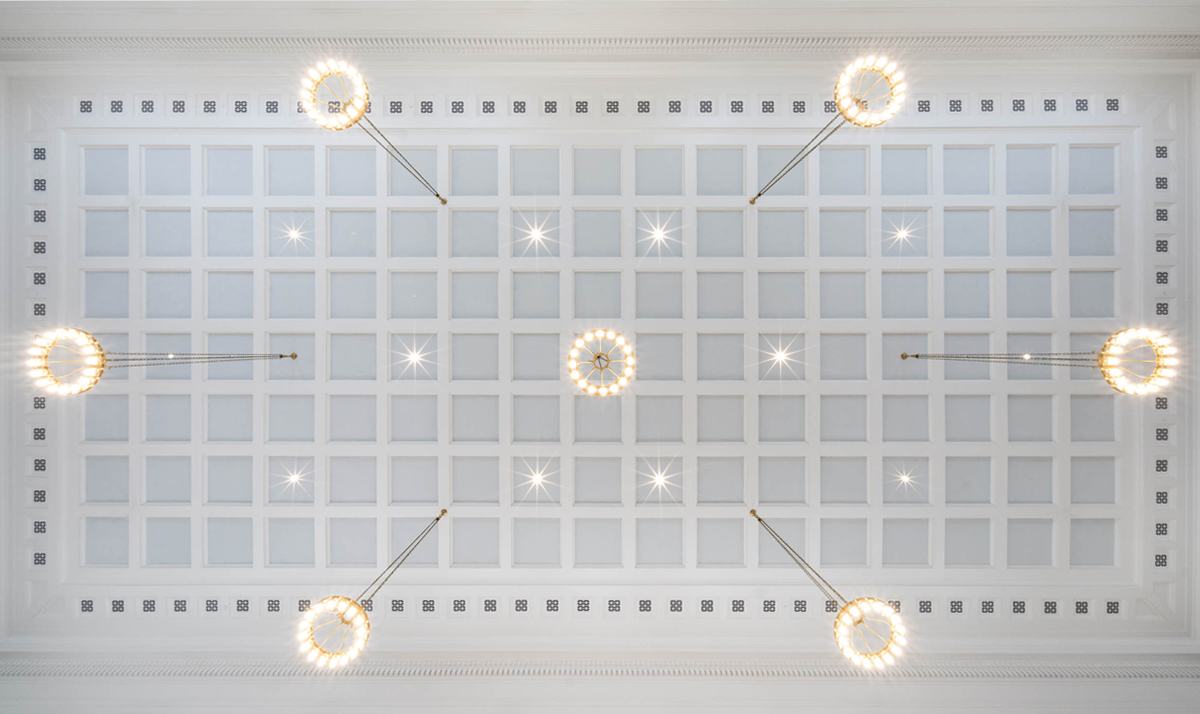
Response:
column 1181, row 45
column 1181, row 668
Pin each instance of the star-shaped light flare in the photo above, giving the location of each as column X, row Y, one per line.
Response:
column 533, row 479
column 537, row 234
column 658, row 236
column 295, row 477
column 780, row 358
column 661, row 477
column 904, row 477
column 414, row 359
column 904, row 234
column 295, row 236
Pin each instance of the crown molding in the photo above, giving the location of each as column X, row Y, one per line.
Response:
column 391, row 667
column 1180, row 45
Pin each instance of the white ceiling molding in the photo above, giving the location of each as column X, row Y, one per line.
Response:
column 1182, row 45
column 398, row 667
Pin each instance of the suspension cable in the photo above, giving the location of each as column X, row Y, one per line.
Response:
column 800, row 156
column 393, row 566
column 822, row 584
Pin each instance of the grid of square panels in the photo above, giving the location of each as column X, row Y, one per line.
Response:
column 432, row 343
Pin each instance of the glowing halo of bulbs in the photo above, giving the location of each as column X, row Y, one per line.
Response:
column 853, row 101
column 1114, row 355
column 606, row 373
column 855, row 638
column 88, row 366
column 354, row 105
column 340, row 613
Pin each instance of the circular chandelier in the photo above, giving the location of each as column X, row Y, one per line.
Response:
column 335, row 629
column 860, row 106
column 1134, row 361
column 867, row 630
column 337, row 88
column 1129, row 368
column 332, row 619
column 860, row 100
column 601, row 362
column 352, row 101
column 70, row 361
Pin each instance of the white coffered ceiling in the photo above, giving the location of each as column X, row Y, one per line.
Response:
column 154, row 191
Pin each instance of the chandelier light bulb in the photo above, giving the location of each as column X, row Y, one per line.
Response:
column 601, row 362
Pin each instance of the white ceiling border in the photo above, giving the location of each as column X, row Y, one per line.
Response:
column 1183, row 667
column 1175, row 44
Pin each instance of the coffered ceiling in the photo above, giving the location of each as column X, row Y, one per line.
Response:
column 184, row 509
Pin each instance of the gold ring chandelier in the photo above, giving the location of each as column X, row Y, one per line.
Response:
column 70, row 361
column 343, row 93
column 860, row 100
column 1134, row 361
column 335, row 630
column 334, row 618
column 867, row 630
column 601, row 362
